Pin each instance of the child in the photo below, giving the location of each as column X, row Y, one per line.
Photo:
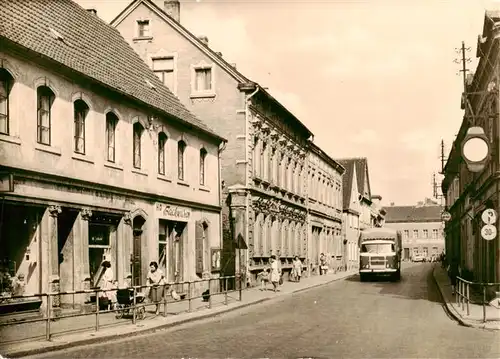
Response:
column 264, row 278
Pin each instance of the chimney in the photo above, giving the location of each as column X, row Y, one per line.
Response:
column 233, row 65
column 219, row 54
column 203, row 39
column 173, row 9
column 92, row 11
column 392, row 204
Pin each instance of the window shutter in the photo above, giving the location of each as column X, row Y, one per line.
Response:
column 199, row 247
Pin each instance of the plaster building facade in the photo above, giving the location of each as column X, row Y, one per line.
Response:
column 421, row 227
column 97, row 165
column 469, row 194
column 264, row 165
column 324, row 209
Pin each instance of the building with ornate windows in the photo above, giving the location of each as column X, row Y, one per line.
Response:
column 99, row 160
column 264, row 165
column 324, row 209
column 421, row 227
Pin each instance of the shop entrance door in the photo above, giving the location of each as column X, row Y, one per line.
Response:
column 136, row 262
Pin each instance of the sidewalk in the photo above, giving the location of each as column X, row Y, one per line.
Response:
column 70, row 332
column 475, row 319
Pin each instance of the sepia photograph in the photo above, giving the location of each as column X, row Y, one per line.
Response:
column 249, row 179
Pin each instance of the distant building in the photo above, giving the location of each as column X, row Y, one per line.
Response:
column 421, row 227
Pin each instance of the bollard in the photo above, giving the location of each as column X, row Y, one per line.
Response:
column 47, row 327
column 239, row 280
column 97, row 311
column 164, row 300
column 210, row 297
column 468, row 300
column 225, row 291
column 189, row 297
column 134, row 310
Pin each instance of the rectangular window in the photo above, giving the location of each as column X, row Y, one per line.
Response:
column 406, row 233
column 44, row 104
column 203, row 79
column 434, row 233
column 143, row 29
column 164, row 69
column 4, row 103
column 426, row 233
column 415, row 233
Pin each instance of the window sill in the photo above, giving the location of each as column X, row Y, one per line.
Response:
column 113, row 165
column 204, row 188
column 83, row 158
column 183, row 183
column 10, row 139
column 142, row 38
column 138, row 171
column 164, row 178
column 202, row 95
column 48, row 149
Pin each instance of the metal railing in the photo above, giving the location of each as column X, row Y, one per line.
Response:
column 136, row 306
column 463, row 294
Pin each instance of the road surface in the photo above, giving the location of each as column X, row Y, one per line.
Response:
column 345, row 319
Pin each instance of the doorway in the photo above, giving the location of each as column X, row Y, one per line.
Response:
column 136, row 263
column 407, row 254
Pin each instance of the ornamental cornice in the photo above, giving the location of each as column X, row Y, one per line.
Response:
column 274, row 135
column 265, row 128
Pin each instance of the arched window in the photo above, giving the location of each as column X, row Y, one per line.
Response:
column 138, row 130
column 6, row 82
column 162, row 141
column 45, row 99
column 111, row 122
column 203, row 155
column 80, row 111
column 181, row 147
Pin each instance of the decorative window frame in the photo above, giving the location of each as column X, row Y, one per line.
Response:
column 164, row 54
column 136, row 29
column 207, row 93
column 53, row 148
column 89, row 128
column 13, row 103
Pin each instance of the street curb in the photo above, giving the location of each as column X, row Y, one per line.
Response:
column 102, row 339
column 451, row 310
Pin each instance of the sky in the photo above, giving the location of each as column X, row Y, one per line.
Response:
column 373, row 78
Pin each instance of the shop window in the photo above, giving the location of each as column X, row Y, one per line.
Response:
column 171, row 248
column 181, row 148
column 80, row 114
column 203, row 155
column 6, row 82
column 99, row 245
column 162, row 141
column 45, row 99
column 111, row 122
column 138, row 130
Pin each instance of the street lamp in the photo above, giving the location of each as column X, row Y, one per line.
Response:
column 475, row 149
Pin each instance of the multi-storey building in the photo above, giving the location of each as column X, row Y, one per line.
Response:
column 421, row 227
column 469, row 194
column 325, row 208
column 358, row 212
column 101, row 160
column 264, row 167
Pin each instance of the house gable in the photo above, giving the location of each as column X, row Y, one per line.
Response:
column 366, row 186
column 354, row 201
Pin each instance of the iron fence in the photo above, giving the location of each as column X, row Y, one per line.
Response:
column 136, row 306
column 468, row 292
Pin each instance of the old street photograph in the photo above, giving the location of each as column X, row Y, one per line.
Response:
column 249, row 179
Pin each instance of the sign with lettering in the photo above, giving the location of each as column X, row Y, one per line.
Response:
column 172, row 212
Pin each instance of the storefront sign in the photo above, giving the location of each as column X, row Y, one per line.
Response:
column 168, row 211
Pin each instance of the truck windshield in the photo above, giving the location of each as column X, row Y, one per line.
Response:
column 377, row 248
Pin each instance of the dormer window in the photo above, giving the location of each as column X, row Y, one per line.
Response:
column 143, row 28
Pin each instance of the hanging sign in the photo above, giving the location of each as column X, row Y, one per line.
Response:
column 489, row 216
column 172, row 212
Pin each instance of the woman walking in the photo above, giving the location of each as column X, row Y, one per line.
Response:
column 275, row 273
column 108, row 283
column 155, row 278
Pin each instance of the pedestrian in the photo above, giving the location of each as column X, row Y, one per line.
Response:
column 156, row 280
column 453, row 273
column 108, row 283
column 297, row 268
column 264, row 277
column 275, row 273
column 323, row 267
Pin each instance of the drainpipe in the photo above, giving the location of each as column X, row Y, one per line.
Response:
column 247, row 130
column 219, row 187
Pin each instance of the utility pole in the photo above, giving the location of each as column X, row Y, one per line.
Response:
column 463, row 60
column 442, row 157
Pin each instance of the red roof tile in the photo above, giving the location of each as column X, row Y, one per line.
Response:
column 90, row 47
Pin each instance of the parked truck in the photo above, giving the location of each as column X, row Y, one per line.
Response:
column 380, row 253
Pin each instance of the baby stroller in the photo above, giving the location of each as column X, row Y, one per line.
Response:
column 125, row 299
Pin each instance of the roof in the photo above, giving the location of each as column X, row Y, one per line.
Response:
column 335, row 164
column 347, row 179
column 63, row 32
column 216, row 57
column 411, row 214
